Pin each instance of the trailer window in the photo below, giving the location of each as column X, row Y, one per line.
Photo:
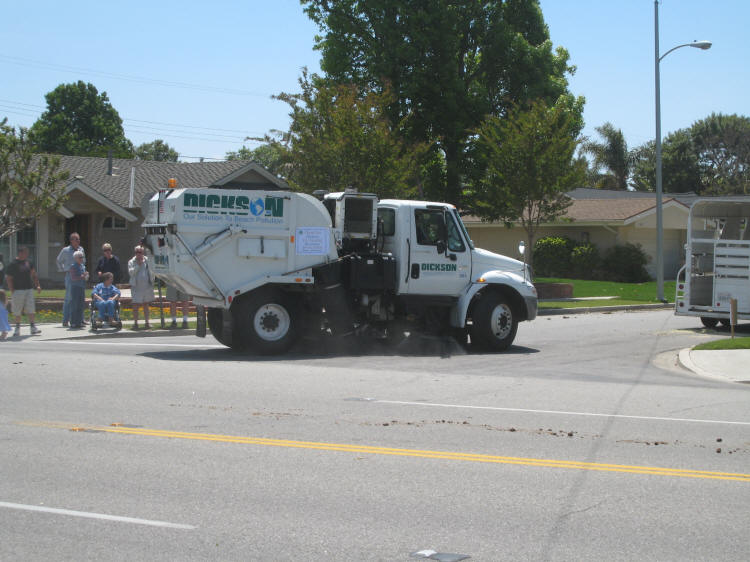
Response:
column 388, row 218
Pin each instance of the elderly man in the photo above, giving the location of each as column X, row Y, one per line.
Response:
column 64, row 261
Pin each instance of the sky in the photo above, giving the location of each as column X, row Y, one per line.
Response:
column 200, row 75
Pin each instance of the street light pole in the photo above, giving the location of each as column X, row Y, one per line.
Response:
column 659, row 216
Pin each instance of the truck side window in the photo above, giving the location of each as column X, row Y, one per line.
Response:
column 427, row 224
column 455, row 243
column 388, row 216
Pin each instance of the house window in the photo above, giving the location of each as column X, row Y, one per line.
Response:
column 25, row 237
column 114, row 223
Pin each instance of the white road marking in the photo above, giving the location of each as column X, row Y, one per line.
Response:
column 134, row 344
column 558, row 412
column 89, row 515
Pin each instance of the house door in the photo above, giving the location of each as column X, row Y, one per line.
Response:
column 82, row 225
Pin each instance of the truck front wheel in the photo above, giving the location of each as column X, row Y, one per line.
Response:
column 267, row 321
column 494, row 324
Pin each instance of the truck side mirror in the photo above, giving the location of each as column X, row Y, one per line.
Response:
column 442, row 243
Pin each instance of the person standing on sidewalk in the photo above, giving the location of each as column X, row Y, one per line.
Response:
column 78, row 278
column 4, row 325
column 178, row 298
column 22, row 280
column 141, row 284
column 64, row 262
column 108, row 263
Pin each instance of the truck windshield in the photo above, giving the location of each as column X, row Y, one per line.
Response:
column 463, row 228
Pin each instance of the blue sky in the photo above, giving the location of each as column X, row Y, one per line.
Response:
column 200, row 75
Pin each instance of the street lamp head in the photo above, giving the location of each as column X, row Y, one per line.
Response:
column 701, row 44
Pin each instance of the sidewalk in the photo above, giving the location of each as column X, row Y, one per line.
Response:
column 59, row 332
column 727, row 364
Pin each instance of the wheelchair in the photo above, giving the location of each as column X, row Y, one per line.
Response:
column 115, row 323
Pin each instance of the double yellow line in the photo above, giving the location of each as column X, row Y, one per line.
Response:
column 427, row 454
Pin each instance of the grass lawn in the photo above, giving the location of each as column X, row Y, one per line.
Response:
column 591, row 303
column 626, row 293
column 51, row 294
column 728, row 343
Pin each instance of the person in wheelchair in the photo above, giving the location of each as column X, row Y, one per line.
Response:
column 105, row 299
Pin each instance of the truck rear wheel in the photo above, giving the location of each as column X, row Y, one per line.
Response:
column 709, row 322
column 215, row 325
column 494, row 324
column 267, row 320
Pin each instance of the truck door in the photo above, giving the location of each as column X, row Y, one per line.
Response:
column 440, row 260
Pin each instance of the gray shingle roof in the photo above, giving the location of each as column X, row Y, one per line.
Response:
column 150, row 176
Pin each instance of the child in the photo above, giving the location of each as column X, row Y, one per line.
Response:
column 4, row 324
column 78, row 277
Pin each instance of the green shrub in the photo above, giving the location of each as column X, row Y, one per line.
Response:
column 625, row 263
column 552, row 256
column 585, row 262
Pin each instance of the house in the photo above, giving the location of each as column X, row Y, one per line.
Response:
column 604, row 218
column 105, row 197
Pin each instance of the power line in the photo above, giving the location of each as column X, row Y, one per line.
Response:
column 141, row 125
column 19, row 61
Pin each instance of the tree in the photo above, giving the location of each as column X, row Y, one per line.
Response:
column 680, row 169
column 80, row 122
column 269, row 155
column 449, row 63
column 30, row 185
column 530, row 164
column 243, row 153
column 722, row 143
column 340, row 137
column 612, row 156
column 157, row 150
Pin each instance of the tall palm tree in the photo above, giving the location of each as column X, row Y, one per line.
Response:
column 612, row 161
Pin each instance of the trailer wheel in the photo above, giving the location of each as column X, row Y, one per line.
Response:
column 215, row 325
column 709, row 322
column 494, row 323
column 268, row 321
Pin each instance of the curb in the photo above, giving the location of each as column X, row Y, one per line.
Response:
column 686, row 361
column 588, row 310
column 124, row 333
column 683, row 357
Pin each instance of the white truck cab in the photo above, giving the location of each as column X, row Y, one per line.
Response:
column 270, row 265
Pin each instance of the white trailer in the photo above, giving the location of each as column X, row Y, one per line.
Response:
column 270, row 266
column 717, row 261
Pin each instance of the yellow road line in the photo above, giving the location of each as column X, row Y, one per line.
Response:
column 374, row 450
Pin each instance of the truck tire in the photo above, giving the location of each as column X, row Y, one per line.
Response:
column 267, row 320
column 709, row 322
column 494, row 323
column 214, row 321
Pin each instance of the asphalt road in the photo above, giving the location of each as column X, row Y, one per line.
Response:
column 584, row 442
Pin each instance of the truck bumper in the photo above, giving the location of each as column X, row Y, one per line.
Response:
column 531, row 307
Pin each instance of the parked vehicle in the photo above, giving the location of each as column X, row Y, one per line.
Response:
column 271, row 266
column 717, row 261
